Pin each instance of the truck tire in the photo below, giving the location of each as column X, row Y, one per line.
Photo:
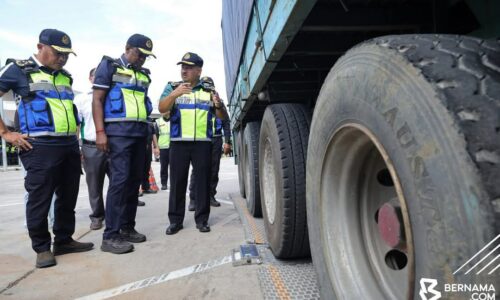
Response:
column 241, row 162
column 401, row 178
column 282, row 156
column 251, row 154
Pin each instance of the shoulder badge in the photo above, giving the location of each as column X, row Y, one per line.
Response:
column 21, row 63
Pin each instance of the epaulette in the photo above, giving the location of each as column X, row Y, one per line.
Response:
column 113, row 61
column 22, row 63
column 145, row 71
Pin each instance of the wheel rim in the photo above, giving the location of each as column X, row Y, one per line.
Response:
column 361, row 203
column 269, row 182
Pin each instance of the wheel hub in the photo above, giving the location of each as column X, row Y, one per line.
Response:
column 390, row 225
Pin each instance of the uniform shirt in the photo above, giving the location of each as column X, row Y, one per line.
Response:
column 103, row 80
column 83, row 102
column 13, row 78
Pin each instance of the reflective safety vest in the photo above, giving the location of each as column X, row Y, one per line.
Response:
column 217, row 127
column 126, row 99
column 48, row 110
column 192, row 117
column 164, row 128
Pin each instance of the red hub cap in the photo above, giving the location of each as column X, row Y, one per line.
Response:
column 390, row 225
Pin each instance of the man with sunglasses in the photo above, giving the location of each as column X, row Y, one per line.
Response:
column 120, row 108
column 46, row 116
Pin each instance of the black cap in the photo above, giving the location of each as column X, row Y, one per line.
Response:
column 58, row 40
column 142, row 42
column 191, row 59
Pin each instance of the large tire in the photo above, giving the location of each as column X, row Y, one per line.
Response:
column 414, row 119
column 241, row 162
column 282, row 156
column 251, row 154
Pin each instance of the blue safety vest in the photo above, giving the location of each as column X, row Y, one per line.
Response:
column 192, row 116
column 126, row 100
column 48, row 110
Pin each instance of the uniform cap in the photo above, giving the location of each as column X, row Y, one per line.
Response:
column 191, row 59
column 141, row 42
column 58, row 40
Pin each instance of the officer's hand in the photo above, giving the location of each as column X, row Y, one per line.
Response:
column 183, row 88
column 216, row 99
column 156, row 152
column 101, row 142
column 227, row 148
column 17, row 139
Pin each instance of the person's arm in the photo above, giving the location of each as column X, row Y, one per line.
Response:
column 156, row 150
column 101, row 85
column 9, row 80
column 14, row 138
column 227, row 136
column 98, row 99
column 220, row 108
column 168, row 97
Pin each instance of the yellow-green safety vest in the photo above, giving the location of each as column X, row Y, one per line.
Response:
column 126, row 100
column 49, row 109
column 164, row 133
column 192, row 117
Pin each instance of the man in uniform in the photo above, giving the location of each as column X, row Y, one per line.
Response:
column 48, row 118
column 163, row 124
column 192, row 108
column 219, row 127
column 120, row 108
column 95, row 162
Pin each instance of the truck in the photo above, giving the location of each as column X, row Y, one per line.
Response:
column 367, row 136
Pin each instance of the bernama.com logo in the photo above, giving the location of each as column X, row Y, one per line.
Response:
column 429, row 290
column 483, row 262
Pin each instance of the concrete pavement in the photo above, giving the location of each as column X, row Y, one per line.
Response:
column 169, row 260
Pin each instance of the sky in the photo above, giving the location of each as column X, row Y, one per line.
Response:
column 99, row 27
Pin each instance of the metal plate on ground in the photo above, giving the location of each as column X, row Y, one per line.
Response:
column 246, row 255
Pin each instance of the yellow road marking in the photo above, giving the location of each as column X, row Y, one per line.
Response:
column 253, row 227
column 279, row 285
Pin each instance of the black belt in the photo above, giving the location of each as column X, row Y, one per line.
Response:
column 87, row 142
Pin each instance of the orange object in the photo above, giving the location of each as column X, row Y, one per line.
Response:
column 152, row 181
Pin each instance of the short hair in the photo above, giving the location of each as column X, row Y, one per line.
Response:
column 92, row 72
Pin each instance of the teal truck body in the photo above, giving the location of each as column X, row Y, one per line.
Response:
column 324, row 94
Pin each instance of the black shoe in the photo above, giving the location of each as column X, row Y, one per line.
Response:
column 173, row 229
column 164, row 187
column 203, row 227
column 191, row 206
column 132, row 236
column 72, row 247
column 96, row 224
column 214, row 202
column 45, row 259
column 141, row 203
column 150, row 191
column 116, row 245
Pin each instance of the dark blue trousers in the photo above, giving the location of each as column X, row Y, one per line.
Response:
column 51, row 169
column 181, row 155
column 126, row 163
